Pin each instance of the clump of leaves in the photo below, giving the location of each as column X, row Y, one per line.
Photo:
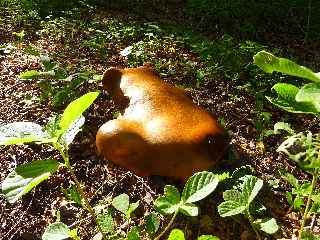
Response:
column 240, row 200
column 199, row 186
column 303, row 148
column 56, row 85
column 59, row 133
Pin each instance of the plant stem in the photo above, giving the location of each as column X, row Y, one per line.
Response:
column 307, row 209
column 251, row 220
column 87, row 204
column 168, row 226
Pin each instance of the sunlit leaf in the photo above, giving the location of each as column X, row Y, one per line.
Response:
column 267, row 225
column 25, row 177
column 283, row 126
column 176, row 234
column 31, row 74
column 121, row 203
column 310, row 93
column 152, row 223
column 56, row 231
column 270, row 63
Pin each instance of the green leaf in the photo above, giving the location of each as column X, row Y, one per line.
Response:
column 75, row 109
column 72, row 131
column 74, row 235
column 199, row 186
column 132, row 208
column 121, row 203
column 72, row 194
column 230, row 208
column 25, row 177
column 310, row 93
column 31, row 74
column 270, row 63
column 189, row 209
column 169, row 202
column 290, row 178
column 152, row 223
column 287, row 99
column 283, row 126
column 250, row 187
column 298, row 203
column 233, row 195
column 267, row 225
column 105, row 221
column 308, row 235
column 133, row 234
column 22, row 132
column 56, row 231
column 176, row 234
column 208, row 237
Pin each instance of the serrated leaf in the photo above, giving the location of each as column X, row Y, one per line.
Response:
column 22, row 132
column 189, row 209
column 25, row 177
column 176, row 234
column 133, row 234
column 169, row 202
column 105, row 221
column 152, row 223
column 199, row 186
column 286, row 99
column 121, row 203
column 283, row 126
column 75, row 109
column 230, row 208
column 56, row 231
column 31, row 74
column 233, row 195
column 267, row 225
column 270, row 63
column 250, row 187
column 208, row 237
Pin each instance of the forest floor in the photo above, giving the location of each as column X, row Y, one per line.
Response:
column 19, row 101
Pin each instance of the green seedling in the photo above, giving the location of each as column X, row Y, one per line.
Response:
column 122, row 204
column 199, row 186
column 177, row 234
column 240, row 200
column 59, row 133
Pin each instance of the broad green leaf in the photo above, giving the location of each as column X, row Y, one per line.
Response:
column 121, row 203
column 298, row 203
column 208, row 237
column 31, row 74
column 169, row 202
column 270, row 63
column 189, row 209
column 105, row 221
column 176, row 234
column 267, row 225
column 74, row 235
column 133, row 234
column 287, row 99
column 230, row 208
column 250, row 187
column 199, row 186
column 56, row 231
column 290, row 178
column 152, row 223
column 310, row 93
column 72, row 131
column 75, row 109
column 53, row 126
column 132, row 208
column 22, row 132
column 303, row 190
column 283, row 126
column 233, row 195
column 25, row 177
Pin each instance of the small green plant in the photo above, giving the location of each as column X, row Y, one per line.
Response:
column 55, row 83
column 240, row 200
column 59, row 133
column 199, row 186
column 302, row 148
